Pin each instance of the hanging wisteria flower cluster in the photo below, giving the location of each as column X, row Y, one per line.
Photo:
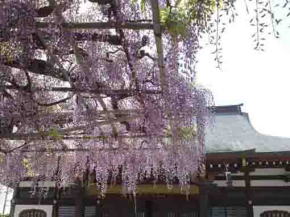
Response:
column 103, row 89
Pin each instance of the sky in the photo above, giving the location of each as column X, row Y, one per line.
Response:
column 259, row 80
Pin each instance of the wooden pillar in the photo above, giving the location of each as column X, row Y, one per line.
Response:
column 12, row 209
column 79, row 199
column 56, row 197
column 148, row 208
column 203, row 200
column 248, row 192
column 55, row 210
column 98, row 208
column 55, row 207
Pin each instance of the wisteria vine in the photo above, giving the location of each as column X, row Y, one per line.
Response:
column 103, row 91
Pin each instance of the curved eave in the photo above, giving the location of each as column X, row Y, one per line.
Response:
column 249, row 154
column 232, row 131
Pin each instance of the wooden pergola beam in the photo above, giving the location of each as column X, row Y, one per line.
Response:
column 62, row 132
column 101, row 25
column 158, row 39
column 41, row 150
column 35, row 137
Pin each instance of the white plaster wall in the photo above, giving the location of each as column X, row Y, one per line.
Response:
column 254, row 183
column 258, row 183
column 46, row 208
column 258, row 210
column 269, row 171
column 236, row 183
column 261, row 172
column 268, row 183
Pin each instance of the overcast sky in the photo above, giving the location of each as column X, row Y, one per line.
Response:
column 259, row 80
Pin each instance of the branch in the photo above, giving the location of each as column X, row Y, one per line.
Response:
column 44, row 11
column 124, row 44
column 28, row 85
column 4, row 151
column 53, row 103
column 40, row 67
column 100, row 100
column 112, row 39
column 18, row 147
column 55, row 59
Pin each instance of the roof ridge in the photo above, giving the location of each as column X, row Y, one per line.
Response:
column 227, row 109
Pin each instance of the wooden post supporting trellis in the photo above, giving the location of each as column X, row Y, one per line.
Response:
column 159, row 44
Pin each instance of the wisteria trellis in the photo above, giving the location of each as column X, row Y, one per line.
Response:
column 102, row 86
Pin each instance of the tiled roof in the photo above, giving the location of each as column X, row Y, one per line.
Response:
column 232, row 131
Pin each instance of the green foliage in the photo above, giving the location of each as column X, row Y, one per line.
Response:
column 54, row 134
column 8, row 51
column 142, row 4
column 178, row 17
column 28, row 167
column 185, row 133
column 174, row 20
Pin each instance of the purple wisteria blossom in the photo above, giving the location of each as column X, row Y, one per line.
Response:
column 89, row 90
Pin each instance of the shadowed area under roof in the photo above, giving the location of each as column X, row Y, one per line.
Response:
column 233, row 131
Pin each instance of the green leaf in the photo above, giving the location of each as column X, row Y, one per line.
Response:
column 187, row 133
column 174, row 20
column 54, row 134
column 27, row 165
column 143, row 5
